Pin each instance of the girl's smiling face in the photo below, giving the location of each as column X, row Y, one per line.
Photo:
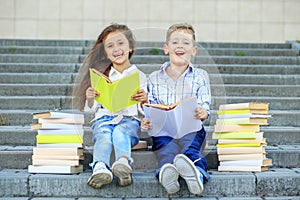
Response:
column 117, row 48
column 181, row 48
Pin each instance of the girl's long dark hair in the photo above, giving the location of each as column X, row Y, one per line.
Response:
column 97, row 59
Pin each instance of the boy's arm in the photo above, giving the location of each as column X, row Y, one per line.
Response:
column 204, row 92
column 152, row 96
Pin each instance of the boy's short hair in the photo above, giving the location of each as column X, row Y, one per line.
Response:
column 183, row 26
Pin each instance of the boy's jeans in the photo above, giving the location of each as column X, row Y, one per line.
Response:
column 191, row 145
column 121, row 136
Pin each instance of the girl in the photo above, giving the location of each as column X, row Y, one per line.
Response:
column 111, row 55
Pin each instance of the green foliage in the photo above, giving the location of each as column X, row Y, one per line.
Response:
column 154, row 51
column 12, row 50
column 240, row 53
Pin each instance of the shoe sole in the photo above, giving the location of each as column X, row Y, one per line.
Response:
column 168, row 177
column 123, row 173
column 98, row 180
column 188, row 172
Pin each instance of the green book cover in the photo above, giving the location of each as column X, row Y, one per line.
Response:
column 116, row 95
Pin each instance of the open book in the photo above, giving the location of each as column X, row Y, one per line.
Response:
column 116, row 95
column 175, row 121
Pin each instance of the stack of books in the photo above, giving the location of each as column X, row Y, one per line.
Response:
column 241, row 144
column 59, row 143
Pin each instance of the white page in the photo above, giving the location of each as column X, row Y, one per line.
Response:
column 176, row 122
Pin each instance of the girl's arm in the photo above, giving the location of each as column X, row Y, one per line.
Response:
column 90, row 105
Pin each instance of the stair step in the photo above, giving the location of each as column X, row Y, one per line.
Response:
column 147, row 51
column 41, row 58
column 221, row 51
column 275, row 182
column 56, row 50
column 157, row 198
column 283, row 69
column 219, row 60
column 33, row 42
column 24, row 136
column 216, row 89
column 224, row 45
column 140, row 59
column 40, row 42
column 65, row 102
column 39, row 67
column 279, row 117
column 19, row 157
column 265, row 79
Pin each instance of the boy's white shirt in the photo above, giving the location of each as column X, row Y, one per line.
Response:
column 114, row 75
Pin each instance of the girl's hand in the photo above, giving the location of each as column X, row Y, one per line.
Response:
column 140, row 96
column 146, row 124
column 201, row 113
column 90, row 95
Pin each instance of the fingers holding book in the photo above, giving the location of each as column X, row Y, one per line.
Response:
column 140, row 96
column 90, row 94
column 146, row 124
column 201, row 113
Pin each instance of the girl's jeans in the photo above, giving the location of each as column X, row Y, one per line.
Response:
column 121, row 137
column 191, row 145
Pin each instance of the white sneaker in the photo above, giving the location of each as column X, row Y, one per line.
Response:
column 168, row 177
column 188, row 171
column 101, row 176
column 123, row 171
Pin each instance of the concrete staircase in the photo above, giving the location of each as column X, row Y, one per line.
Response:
column 38, row 75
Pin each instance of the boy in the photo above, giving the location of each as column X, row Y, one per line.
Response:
column 176, row 80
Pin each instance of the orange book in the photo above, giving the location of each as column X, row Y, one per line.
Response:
column 236, row 127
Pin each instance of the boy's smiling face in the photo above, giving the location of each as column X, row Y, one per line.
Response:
column 181, row 48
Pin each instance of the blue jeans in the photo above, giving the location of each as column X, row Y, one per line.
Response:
column 191, row 145
column 121, row 136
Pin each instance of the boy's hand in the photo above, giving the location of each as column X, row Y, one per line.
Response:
column 146, row 124
column 201, row 113
column 140, row 96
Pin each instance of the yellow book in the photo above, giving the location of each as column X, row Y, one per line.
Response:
column 237, row 135
column 116, row 95
column 250, row 105
column 242, row 111
column 50, row 139
column 253, row 144
column 260, row 121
